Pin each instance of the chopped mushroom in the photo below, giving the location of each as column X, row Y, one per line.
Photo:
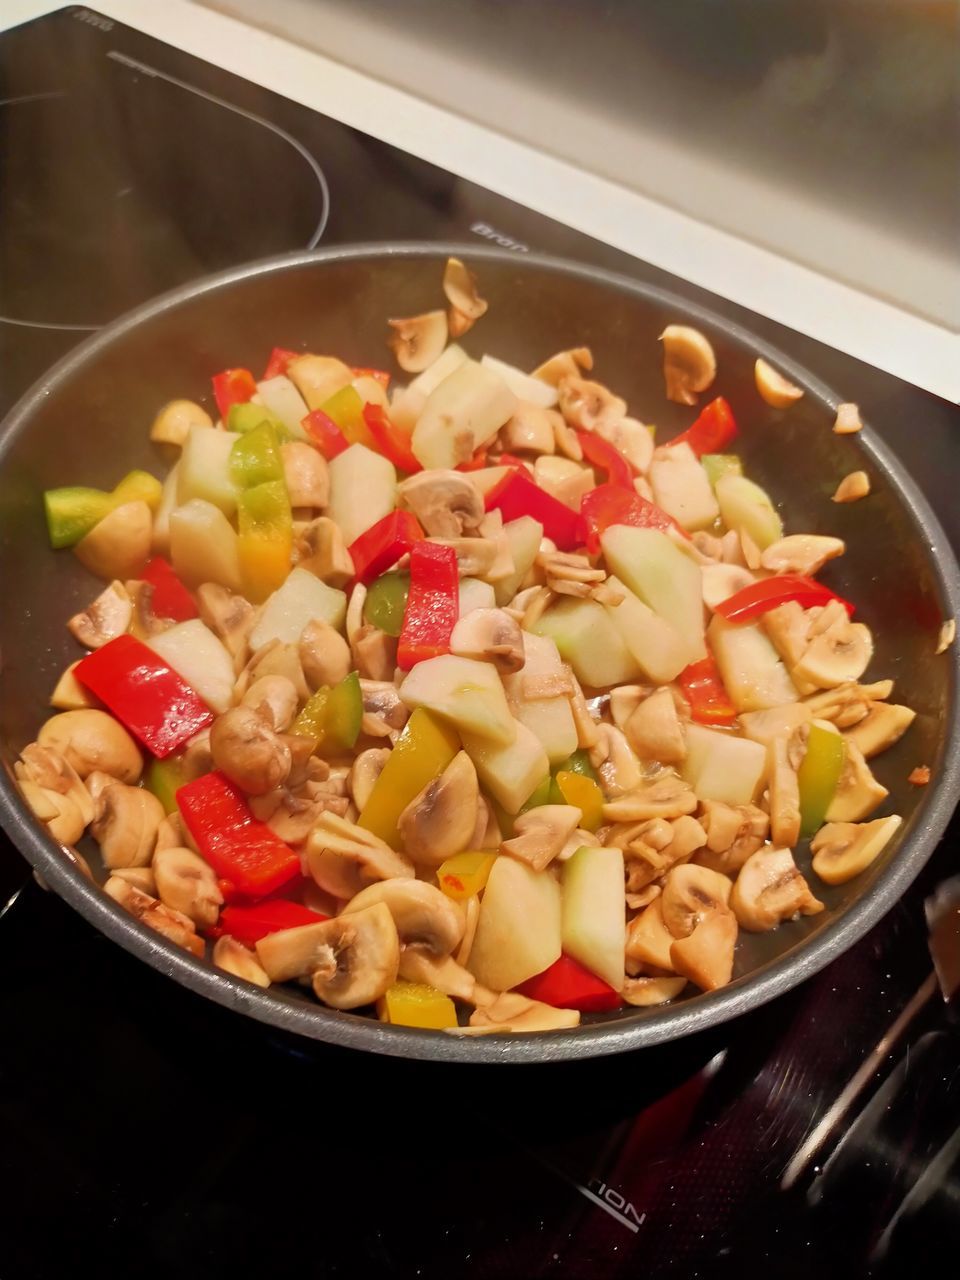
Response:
column 246, row 748
column 439, row 821
column 230, row 617
column 858, row 792
column 801, row 553
column 317, row 378
column 126, row 824
column 446, row 503
column 649, row 940
column 706, row 955
column 460, row 289
column 367, row 768
column 93, row 740
column 274, row 697
column 489, row 635
column 654, row 730
column 848, row 420
column 614, row 762
column 884, row 724
column 425, row 918
column 444, row 973
column 645, row 992
column 530, row 428
column 305, row 474
column 514, row 1012
column 374, row 653
column 586, row 404
column 948, row 633
column 540, row 834
column 784, row 794
column 690, row 894
column 350, row 960
column 733, row 834
column 852, row 487
column 324, row 654
column 70, row 695
column 47, row 768
column 384, row 713
column 188, row 884
column 233, row 957
column 58, row 812
column 841, row 850
column 689, row 364
column 476, row 557
column 118, row 546
column 663, row 796
column 770, row 888
column 343, row 858
column 632, row 438
column 172, row 424
column 418, row 340
column 774, row 387
column 321, row 550
column 141, row 878
column 174, row 926
column 838, row 650
column 171, row 834
column 565, row 364
column 104, row 619
column 721, row 581
column 651, row 848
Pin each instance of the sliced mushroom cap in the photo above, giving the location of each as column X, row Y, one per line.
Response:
column 565, row 364
column 274, row 697
column 324, row 654
column 418, row 341
column 90, row 740
column 624, row 700
column 118, row 546
column 172, row 424
column 858, row 792
column 141, row 878
column 649, row 940
column 490, row 635
column 245, row 747
column 721, row 581
column 706, row 955
column 444, row 973
column 104, row 619
column 771, row 888
column 654, row 730
column 367, row 768
column 615, row 762
column 839, row 653
column 784, row 794
column 764, row 726
column 425, row 918
column 363, row 960
column 174, row 926
column 512, row 1012
column 188, row 884
column 60, row 813
column 848, row 420
column 586, row 404
column 529, row 429
column 689, row 364
column 541, row 834
column 841, row 850
column 446, row 503
column 852, row 487
column 230, row 617
column 439, row 821
column 47, row 767
column 777, row 390
column 476, row 557
column 233, row 957
column 171, row 834
column 317, row 378
column 70, row 695
column 305, row 474
column 733, row 833
column 664, row 796
column 801, row 553
column 460, row 288
column 883, row 725
column 645, row 992
column 471, row 913
column 343, row 858
column 126, row 825
column 690, row 894
column 384, row 713
column 632, row 438
column 374, row 653
column 321, row 550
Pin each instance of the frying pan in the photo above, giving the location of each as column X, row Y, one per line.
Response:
column 86, row 422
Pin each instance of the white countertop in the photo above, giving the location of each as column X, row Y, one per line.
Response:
column 917, row 350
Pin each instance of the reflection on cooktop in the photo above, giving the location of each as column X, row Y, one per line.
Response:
column 121, row 210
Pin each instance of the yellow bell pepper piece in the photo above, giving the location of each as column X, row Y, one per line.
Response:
column 584, row 794
column 465, row 874
column 423, row 751
column 414, row 1004
column 265, row 540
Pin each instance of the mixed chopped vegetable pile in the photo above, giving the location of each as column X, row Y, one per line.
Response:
column 462, row 699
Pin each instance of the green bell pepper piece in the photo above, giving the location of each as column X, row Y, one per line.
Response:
column 579, row 762
column 73, row 511
column 386, row 601
column 345, row 408
column 539, row 795
column 718, row 465
column 244, row 418
column 818, row 776
column 163, row 778
column 255, row 458
column 333, row 716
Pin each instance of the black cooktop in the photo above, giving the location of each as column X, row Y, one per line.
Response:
column 147, row 1132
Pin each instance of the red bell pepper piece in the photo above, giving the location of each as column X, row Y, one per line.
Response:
column 610, row 504
column 378, row 375
column 238, row 847
column 233, row 386
column 568, row 985
column 760, row 597
column 609, row 458
column 476, row 463
column 383, row 544
column 280, row 357
column 248, row 924
column 433, row 604
column 170, row 599
column 704, row 689
column 393, row 443
column 144, row 693
column 325, row 434
column 712, row 431
column 516, row 495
